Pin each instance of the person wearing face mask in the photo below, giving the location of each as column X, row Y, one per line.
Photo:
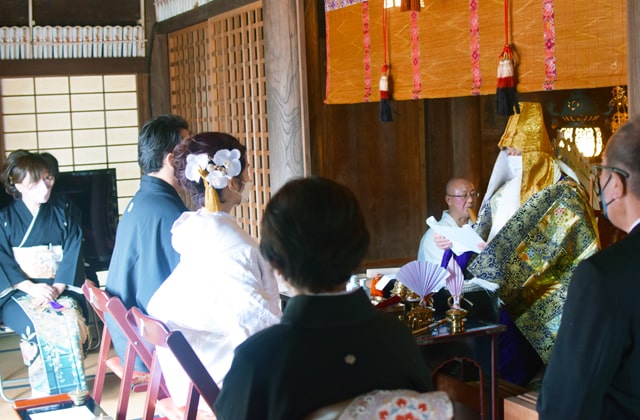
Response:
column 222, row 290
column 594, row 366
column 539, row 224
column 41, row 260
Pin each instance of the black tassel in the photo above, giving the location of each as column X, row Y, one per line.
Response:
column 385, row 110
column 385, row 98
column 507, row 101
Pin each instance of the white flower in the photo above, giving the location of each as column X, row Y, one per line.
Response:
column 194, row 164
column 230, row 159
column 217, row 179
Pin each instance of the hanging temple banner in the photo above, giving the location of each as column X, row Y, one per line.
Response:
column 451, row 48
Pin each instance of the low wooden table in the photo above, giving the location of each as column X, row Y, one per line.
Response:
column 26, row 408
column 473, row 330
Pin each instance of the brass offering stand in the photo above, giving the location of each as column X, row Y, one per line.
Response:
column 418, row 311
column 456, row 315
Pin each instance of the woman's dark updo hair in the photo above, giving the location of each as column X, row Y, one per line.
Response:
column 15, row 169
column 209, row 143
column 313, row 231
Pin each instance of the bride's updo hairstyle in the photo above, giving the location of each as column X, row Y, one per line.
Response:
column 208, row 143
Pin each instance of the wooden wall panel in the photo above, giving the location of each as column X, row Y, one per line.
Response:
column 384, row 164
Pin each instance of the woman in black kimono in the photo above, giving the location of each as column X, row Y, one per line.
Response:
column 40, row 259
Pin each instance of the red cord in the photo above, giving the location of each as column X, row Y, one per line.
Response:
column 384, row 38
column 506, row 22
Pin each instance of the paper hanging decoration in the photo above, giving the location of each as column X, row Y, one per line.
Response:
column 422, row 277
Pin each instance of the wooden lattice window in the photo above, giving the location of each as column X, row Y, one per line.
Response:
column 223, row 89
column 188, row 69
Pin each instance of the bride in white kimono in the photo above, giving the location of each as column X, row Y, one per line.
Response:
column 222, row 291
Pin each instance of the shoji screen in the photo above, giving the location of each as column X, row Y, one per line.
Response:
column 86, row 122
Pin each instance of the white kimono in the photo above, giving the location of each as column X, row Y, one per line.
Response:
column 221, row 292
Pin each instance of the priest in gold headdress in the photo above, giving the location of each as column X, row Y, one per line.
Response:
column 538, row 223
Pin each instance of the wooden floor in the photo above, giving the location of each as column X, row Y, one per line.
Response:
column 14, row 375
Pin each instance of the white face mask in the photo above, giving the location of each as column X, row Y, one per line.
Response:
column 38, row 193
column 246, row 192
column 515, row 165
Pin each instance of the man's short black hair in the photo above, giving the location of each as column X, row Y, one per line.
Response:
column 157, row 139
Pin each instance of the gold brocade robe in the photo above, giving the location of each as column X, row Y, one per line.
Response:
column 533, row 257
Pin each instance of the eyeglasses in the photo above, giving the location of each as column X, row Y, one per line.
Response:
column 596, row 172
column 470, row 195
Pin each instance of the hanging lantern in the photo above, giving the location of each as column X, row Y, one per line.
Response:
column 618, row 103
column 580, row 125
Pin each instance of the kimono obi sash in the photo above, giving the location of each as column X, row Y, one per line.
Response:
column 39, row 262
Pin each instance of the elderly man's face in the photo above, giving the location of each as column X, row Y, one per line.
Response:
column 461, row 196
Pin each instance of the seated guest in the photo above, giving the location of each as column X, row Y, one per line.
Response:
column 594, row 369
column 142, row 255
column 221, row 291
column 460, row 197
column 41, row 258
column 331, row 345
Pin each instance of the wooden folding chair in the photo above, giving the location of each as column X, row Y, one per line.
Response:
column 98, row 299
column 201, row 384
column 136, row 346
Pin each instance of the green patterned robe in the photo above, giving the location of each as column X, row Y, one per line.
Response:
column 533, row 257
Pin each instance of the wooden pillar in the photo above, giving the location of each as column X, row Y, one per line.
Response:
column 465, row 139
column 286, row 86
column 633, row 57
column 157, row 89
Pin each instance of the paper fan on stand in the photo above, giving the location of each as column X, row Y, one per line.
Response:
column 423, row 278
column 455, row 283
